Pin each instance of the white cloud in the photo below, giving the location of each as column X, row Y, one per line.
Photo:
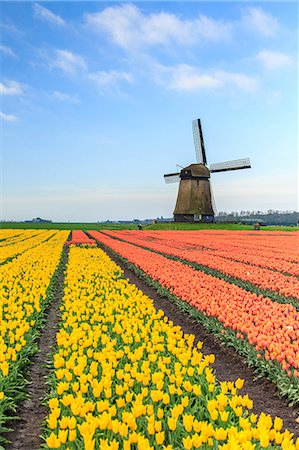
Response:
column 274, row 60
column 7, row 50
column 64, row 97
column 7, row 117
column 110, row 78
column 187, row 78
column 11, row 88
column 184, row 77
column 45, row 14
column 8, row 26
column 238, row 80
column 129, row 28
column 259, row 21
column 68, row 62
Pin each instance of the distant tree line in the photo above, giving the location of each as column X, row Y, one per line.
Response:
column 271, row 217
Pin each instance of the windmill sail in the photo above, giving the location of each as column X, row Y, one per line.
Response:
column 172, row 177
column 236, row 164
column 195, row 198
column 199, row 142
column 213, row 200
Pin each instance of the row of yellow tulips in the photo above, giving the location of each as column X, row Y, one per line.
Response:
column 125, row 377
column 24, row 243
column 7, row 235
column 23, row 297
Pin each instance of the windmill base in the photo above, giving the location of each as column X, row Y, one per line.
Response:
column 193, row 218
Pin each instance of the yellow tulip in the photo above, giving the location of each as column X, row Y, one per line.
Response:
column 160, row 437
column 52, row 441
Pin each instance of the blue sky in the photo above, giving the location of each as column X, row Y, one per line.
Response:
column 98, row 98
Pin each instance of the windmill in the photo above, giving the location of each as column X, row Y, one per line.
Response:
column 195, row 200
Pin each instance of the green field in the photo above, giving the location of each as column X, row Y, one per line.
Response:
column 66, row 226
column 155, row 226
column 215, row 226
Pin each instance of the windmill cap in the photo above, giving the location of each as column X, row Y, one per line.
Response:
column 196, row 170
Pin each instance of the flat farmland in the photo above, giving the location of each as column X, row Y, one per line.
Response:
column 149, row 339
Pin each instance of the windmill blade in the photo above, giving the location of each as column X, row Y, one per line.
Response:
column 199, row 142
column 236, row 164
column 213, row 200
column 172, row 177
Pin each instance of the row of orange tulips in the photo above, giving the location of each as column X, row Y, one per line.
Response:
column 248, row 250
column 79, row 237
column 285, row 285
column 284, row 244
column 272, row 328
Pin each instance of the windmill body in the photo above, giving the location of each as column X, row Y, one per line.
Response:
column 195, row 200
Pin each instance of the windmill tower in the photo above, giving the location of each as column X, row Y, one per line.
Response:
column 195, row 200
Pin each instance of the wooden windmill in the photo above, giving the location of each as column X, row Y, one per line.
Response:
column 195, row 199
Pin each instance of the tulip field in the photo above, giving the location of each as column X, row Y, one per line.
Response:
column 120, row 373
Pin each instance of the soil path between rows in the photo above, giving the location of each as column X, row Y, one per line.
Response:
column 26, row 434
column 228, row 364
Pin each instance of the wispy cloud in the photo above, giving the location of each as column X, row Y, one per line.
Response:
column 187, row 78
column 110, row 79
column 68, row 61
column 184, row 77
column 6, row 50
column 46, row 15
column 64, row 97
column 11, row 88
column 139, row 33
column 129, row 28
column 71, row 63
column 7, row 117
column 274, row 60
column 259, row 21
column 8, row 26
column 237, row 80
